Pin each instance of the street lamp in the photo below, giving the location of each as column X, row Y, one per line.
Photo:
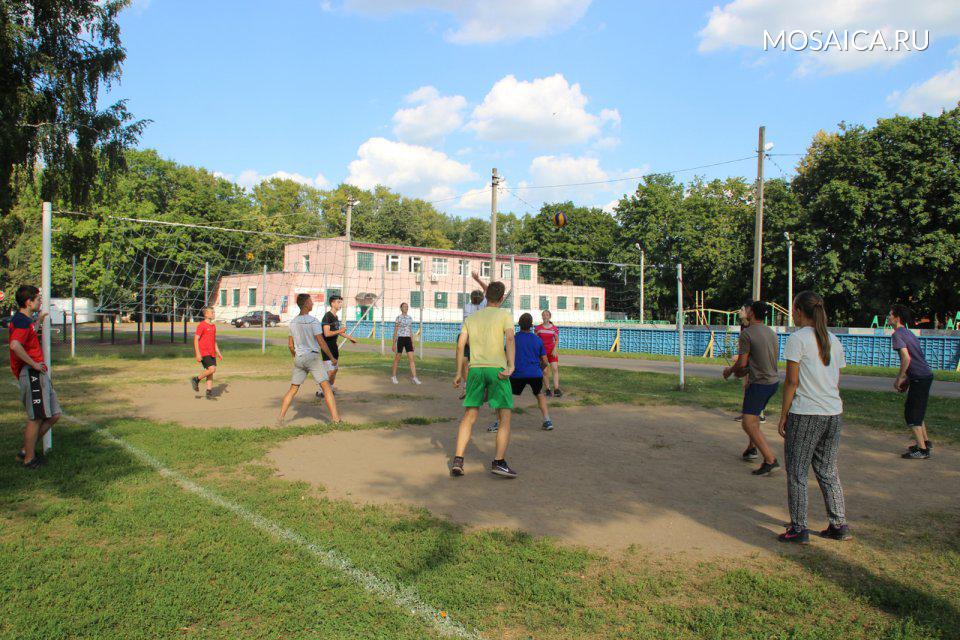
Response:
column 786, row 234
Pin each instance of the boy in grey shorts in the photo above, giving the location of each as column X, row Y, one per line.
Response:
column 306, row 343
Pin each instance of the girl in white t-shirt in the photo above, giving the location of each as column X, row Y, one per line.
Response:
column 403, row 341
column 810, row 420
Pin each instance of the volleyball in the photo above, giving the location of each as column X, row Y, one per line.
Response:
column 560, row 219
column 249, row 256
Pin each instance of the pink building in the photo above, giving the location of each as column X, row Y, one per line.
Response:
column 435, row 282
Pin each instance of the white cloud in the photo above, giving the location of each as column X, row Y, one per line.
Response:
column 579, row 179
column 413, row 170
column 942, row 91
column 434, row 116
column 545, row 111
column 478, row 200
column 741, row 23
column 484, row 21
column 251, row 178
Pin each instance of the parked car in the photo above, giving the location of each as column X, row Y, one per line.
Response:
column 253, row 320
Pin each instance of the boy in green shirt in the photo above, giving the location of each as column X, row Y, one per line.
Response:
column 490, row 334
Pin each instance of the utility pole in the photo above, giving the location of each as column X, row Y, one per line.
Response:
column 494, row 182
column 73, row 307
column 263, row 311
column 643, row 256
column 45, row 285
column 786, row 234
column 347, row 236
column 758, row 225
column 680, row 319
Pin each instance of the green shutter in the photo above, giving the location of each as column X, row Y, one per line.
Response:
column 414, row 299
column 461, row 298
column 561, row 302
column 364, row 261
column 440, row 300
column 544, row 303
column 578, row 304
column 223, row 297
column 251, row 297
column 525, row 302
column 236, row 297
column 525, row 272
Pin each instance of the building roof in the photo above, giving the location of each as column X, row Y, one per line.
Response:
column 530, row 259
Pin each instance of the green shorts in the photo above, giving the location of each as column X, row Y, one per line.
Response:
column 485, row 381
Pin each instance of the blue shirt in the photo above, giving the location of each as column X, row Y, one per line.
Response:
column 526, row 361
column 903, row 338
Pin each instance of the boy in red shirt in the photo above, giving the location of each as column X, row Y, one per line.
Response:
column 26, row 361
column 206, row 350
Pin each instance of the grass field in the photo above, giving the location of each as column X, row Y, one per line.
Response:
column 98, row 544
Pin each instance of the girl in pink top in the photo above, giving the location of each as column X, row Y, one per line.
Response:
column 550, row 334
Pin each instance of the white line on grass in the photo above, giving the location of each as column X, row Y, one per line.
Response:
column 401, row 596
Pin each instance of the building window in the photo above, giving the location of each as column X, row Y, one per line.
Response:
column 561, row 302
column 578, row 304
column 440, row 300
column 525, row 271
column 252, row 297
column 414, row 299
column 595, row 304
column 236, row 297
column 306, row 263
column 223, row 297
column 414, row 264
column 364, row 261
column 525, row 303
column 439, row 266
column 462, row 299
column 506, row 270
column 332, row 292
column 463, row 267
column 544, row 303
column 484, row 269
column 393, row 263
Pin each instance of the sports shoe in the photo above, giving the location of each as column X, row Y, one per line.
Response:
column 738, row 418
column 557, row 393
column 750, row 454
column 463, row 394
column 456, row 469
column 929, row 444
column 320, row 393
column 501, row 468
column 795, row 536
column 21, row 455
column 37, row 462
column 394, row 380
column 494, row 427
column 416, row 380
column 763, row 417
column 195, row 383
column 766, row 468
column 549, row 393
column 916, row 454
column 548, row 425
column 837, row 533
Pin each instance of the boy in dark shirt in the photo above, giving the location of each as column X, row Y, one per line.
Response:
column 914, row 378
column 331, row 333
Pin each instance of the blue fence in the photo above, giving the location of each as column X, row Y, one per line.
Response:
column 942, row 352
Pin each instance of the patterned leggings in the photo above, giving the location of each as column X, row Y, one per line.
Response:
column 816, row 440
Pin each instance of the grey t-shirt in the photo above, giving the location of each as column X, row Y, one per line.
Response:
column 305, row 328
column 761, row 343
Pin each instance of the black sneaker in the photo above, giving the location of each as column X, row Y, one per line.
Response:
column 456, row 469
column 501, row 468
column 548, row 425
column 195, row 383
column 21, row 455
column 763, row 417
column 837, row 533
column 916, row 454
column 557, row 393
column 750, row 454
column 549, row 393
column 493, row 428
column 766, row 468
column 914, row 447
column 795, row 536
column 36, row 463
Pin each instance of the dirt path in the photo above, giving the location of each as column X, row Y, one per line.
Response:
column 668, row 478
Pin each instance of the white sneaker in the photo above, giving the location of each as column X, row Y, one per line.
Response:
column 394, row 380
column 416, row 381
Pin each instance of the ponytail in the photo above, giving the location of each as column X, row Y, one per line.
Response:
column 811, row 306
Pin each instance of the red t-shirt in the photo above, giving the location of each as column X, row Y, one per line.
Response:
column 550, row 336
column 207, row 331
column 24, row 331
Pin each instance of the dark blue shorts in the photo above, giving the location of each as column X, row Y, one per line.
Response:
column 756, row 397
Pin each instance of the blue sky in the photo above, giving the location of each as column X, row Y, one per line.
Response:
column 427, row 95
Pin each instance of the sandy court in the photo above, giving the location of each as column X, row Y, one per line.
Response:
column 668, row 479
column 248, row 403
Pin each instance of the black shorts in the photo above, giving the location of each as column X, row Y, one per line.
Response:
column 517, row 385
column 466, row 348
column 915, row 408
column 208, row 361
column 404, row 343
